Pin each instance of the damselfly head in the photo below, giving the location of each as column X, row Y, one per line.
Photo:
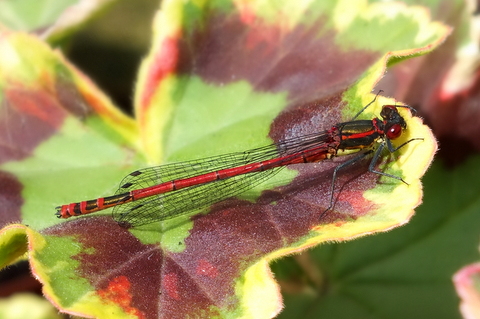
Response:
column 393, row 121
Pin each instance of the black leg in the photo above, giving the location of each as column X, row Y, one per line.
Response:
column 334, row 177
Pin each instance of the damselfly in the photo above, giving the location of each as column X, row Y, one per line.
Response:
column 164, row 192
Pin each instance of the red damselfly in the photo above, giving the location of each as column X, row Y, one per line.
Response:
column 159, row 193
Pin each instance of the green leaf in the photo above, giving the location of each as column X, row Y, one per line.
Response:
column 50, row 18
column 24, row 15
column 221, row 77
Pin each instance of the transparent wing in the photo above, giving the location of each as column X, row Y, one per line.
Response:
column 196, row 197
column 187, row 200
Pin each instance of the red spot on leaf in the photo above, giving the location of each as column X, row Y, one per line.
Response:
column 163, row 64
column 170, row 282
column 36, row 104
column 357, row 200
column 247, row 13
column 27, row 118
column 206, row 268
column 340, row 223
column 118, row 291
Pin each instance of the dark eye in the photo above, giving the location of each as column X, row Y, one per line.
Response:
column 394, row 131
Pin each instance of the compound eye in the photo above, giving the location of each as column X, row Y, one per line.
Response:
column 394, row 131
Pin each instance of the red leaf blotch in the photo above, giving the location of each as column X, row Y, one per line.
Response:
column 205, row 268
column 164, row 63
column 170, row 282
column 118, row 291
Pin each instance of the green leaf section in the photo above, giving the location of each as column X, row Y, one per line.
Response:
column 210, row 120
column 94, row 163
column 13, row 245
column 406, row 272
column 59, row 269
column 53, row 20
column 400, row 22
column 25, row 15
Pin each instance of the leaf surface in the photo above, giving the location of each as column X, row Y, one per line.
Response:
column 220, row 77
